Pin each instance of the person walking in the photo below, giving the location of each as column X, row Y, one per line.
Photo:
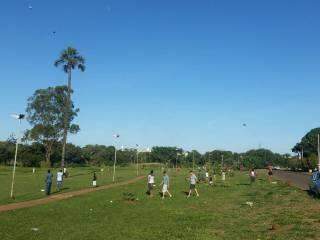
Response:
column 48, row 182
column 252, row 175
column 165, row 185
column 59, row 179
column 94, row 180
column 270, row 173
column 193, row 180
column 150, row 183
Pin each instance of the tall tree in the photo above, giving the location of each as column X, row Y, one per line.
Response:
column 69, row 60
column 46, row 114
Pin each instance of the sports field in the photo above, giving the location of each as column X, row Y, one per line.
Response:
column 278, row 211
column 28, row 186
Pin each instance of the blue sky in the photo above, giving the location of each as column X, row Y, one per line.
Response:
column 181, row 73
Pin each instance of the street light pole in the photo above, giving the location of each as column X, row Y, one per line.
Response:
column 114, row 163
column 193, row 160
column 115, row 157
column 222, row 162
column 137, row 159
column 18, row 117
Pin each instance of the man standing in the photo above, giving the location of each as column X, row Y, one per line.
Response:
column 59, row 180
column 48, row 181
column 165, row 185
column 150, row 183
column 193, row 181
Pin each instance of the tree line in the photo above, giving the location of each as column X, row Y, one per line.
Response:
column 306, row 151
column 34, row 155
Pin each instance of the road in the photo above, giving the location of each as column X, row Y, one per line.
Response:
column 298, row 179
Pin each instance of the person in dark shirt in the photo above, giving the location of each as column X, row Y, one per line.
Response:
column 48, row 182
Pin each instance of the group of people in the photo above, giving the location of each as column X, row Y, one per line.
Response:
column 166, row 184
column 48, row 181
column 253, row 174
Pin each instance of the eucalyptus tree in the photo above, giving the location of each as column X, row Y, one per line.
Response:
column 46, row 113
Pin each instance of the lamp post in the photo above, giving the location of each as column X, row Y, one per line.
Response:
column 137, row 147
column 177, row 150
column 192, row 160
column 18, row 117
column 116, row 136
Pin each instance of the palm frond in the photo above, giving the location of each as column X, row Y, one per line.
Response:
column 82, row 67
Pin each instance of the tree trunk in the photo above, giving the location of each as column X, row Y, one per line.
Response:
column 48, row 147
column 66, row 120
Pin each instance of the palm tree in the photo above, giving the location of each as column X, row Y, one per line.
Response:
column 69, row 60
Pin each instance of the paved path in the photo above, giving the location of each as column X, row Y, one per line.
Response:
column 298, row 179
column 62, row 196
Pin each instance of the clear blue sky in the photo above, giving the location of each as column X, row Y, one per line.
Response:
column 182, row 73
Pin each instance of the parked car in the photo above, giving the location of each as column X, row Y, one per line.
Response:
column 314, row 183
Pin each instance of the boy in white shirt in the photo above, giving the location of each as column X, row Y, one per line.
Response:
column 150, row 183
column 59, row 179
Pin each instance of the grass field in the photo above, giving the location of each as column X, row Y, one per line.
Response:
column 221, row 212
column 28, row 185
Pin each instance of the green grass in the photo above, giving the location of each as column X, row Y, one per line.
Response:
column 28, row 185
column 278, row 212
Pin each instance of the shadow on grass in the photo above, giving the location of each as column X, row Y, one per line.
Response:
column 185, row 193
column 243, row 184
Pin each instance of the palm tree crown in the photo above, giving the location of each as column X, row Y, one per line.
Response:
column 70, row 59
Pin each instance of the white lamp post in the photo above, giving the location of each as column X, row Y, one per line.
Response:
column 116, row 136
column 18, row 117
column 137, row 147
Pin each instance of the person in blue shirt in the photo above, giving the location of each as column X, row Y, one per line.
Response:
column 48, row 182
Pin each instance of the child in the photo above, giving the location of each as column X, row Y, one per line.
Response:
column 59, row 179
column 193, row 181
column 270, row 173
column 165, row 183
column 150, row 183
column 252, row 175
column 210, row 180
column 94, row 180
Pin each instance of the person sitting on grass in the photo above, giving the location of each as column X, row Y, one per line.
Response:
column 193, row 180
column 150, row 183
column 252, row 175
column 48, row 182
column 59, row 179
column 165, row 185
